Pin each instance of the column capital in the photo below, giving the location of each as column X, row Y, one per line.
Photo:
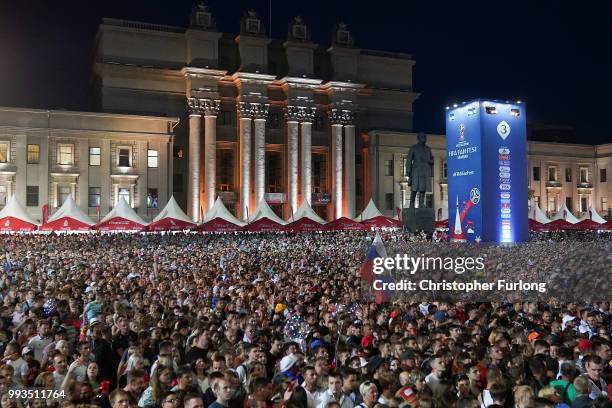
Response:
column 244, row 110
column 292, row 113
column 254, row 110
column 307, row 114
column 335, row 116
column 210, row 107
column 259, row 110
column 194, row 106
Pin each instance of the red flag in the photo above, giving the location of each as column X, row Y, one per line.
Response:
column 45, row 213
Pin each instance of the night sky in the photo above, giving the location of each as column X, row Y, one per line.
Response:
column 555, row 56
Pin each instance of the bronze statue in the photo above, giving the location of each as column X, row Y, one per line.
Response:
column 420, row 170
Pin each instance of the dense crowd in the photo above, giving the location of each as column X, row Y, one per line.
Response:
column 261, row 321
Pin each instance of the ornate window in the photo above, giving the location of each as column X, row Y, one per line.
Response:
column 4, row 152
column 32, row 196
column 152, row 160
column 65, row 154
column 94, row 196
column 124, row 156
column 33, row 154
column 94, row 156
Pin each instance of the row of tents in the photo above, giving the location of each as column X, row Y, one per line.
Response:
column 564, row 220
column 70, row 218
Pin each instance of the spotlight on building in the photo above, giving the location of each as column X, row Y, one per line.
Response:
column 455, row 105
column 491, row 110
column 515, row 112
column 452, row 116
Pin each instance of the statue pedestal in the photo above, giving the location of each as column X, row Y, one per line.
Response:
column 419, row 219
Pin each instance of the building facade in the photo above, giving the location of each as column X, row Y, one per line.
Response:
column 261, row 118
column 46, row 156
column 559, row 173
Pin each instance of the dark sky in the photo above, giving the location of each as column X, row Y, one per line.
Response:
column 556, row 56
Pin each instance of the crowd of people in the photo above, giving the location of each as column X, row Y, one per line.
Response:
column 278, row 320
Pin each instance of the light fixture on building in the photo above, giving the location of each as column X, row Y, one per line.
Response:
column 515, row 112
column 471, row 111
column 448, row 107
column 519, row 102
column 452, row 116
column 491, row 110
column 454, row 105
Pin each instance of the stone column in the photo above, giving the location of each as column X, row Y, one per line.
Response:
column 307, row 116
column 292, row 158
column 260, row 112
column 336, row 145
column 349, row 164
column 211, row 110
column 245, row 159
column 193, row 172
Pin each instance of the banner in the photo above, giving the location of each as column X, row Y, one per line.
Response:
column 486, row 148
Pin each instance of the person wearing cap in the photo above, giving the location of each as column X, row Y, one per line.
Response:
column 30, row 370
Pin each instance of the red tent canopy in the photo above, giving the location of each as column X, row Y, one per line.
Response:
column 170, row 224
column 382, row 222
column 607, row 226
column 557, row 225
column 536, row 226
column 12, row 224
column 119, row 224
column 304, row 224
column 264, row 225
column 65, row 224
column 219, row 225
column 344, row 224
column 588, row 225
column 441, row 224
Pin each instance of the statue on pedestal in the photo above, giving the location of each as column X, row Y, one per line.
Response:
column 419, row 165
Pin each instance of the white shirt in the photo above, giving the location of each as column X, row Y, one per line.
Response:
column 38, row 344
column 344, row 401
column 432, row 381
column 313, row 398
column 17, row 369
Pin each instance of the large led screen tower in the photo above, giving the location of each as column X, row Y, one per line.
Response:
column 486, row 153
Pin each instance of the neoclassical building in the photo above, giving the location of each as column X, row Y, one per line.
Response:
column 281, row 120
column 197, row 113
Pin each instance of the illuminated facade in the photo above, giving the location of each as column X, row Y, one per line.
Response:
column 261, row 118
column 46, row 156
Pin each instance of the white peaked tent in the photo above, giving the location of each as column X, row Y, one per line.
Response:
column 306, row 211
column 121, row 218
column 14, row 217
column 171, row 217
column 595, row 216
column 264, row 211
column 538, row 215
column 371, row 211
column 218, row 210
column 69, row 217
column 565, row 214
